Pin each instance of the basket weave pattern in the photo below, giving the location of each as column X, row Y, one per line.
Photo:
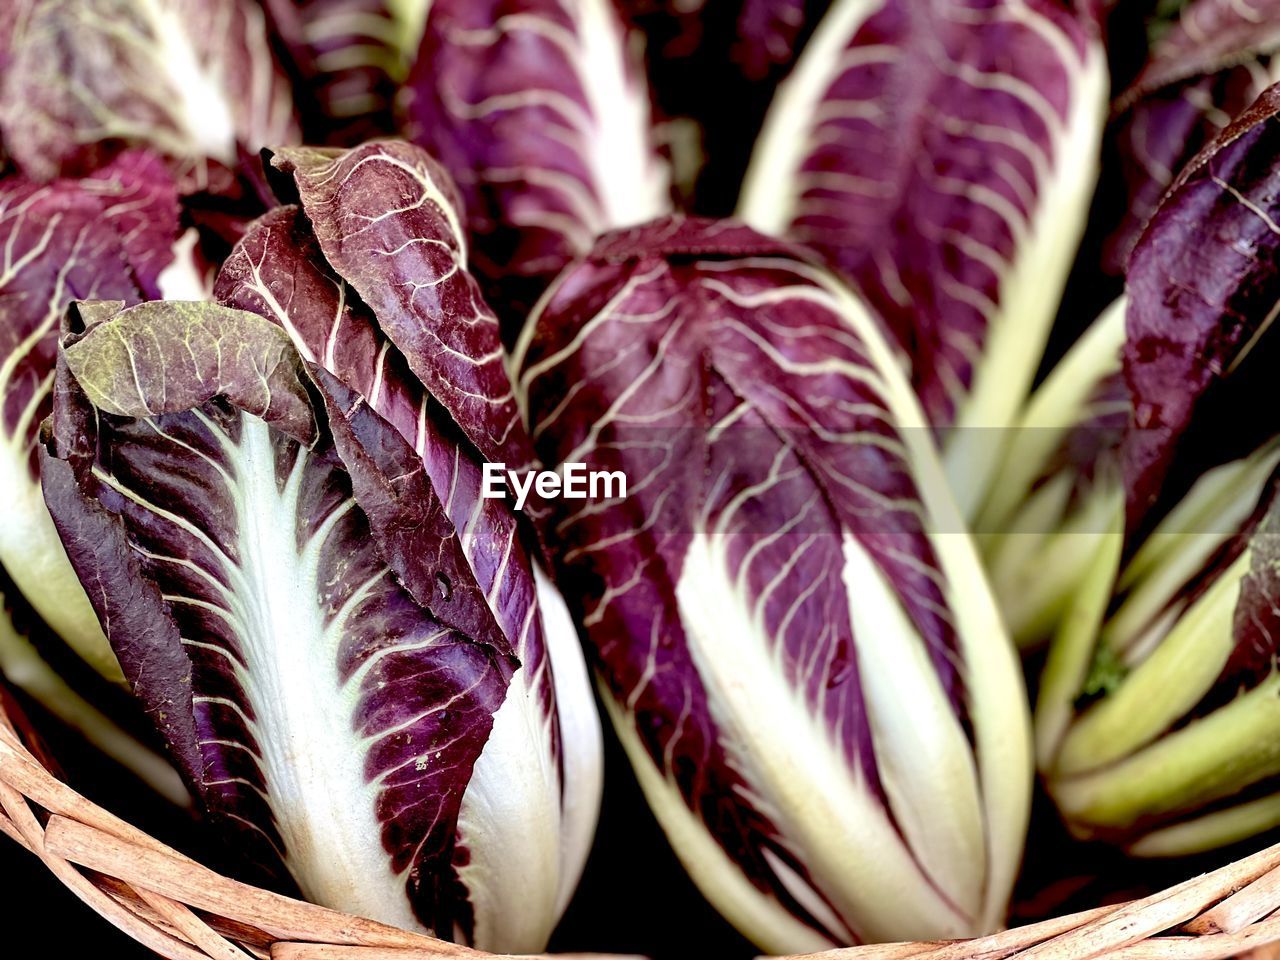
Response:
column 184, row 911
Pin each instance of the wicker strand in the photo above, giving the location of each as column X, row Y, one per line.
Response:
column 1242, row 908
column 21, row 770
column 192, row 927
column 182, row 910
column 253, row 941
column 282, row 917
column 1003, row 944
column 1163, row 911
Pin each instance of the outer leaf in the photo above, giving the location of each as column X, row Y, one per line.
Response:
column 28, row 668
column 1203, row 286
column 408, row 264
column 942, row 156
column 279, row 272
column 123, row 366
column 189, row 78
column 529, row 812
column 540, row 114
column 110, row 235
column 314, row 705
column 774, row 586
column 1201, row 73
column 1210, row 36
column 1162, row 131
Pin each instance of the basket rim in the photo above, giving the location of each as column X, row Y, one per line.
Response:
column 181, row 909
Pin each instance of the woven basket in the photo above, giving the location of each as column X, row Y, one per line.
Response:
column 185, row 911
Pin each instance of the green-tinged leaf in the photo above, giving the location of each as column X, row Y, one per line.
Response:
column 167, row 356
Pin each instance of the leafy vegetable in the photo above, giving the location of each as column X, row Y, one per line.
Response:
column 346, row 711
column 942, row 157
column 1175, row 752
column 538, row 111
column 387, row 217
column 1202, row 290
column 25, row 665
column 794, row 637
column 1174, row 757
column 1211, row 35
column 1044, row 511
column 191, row 79
column 1202, row 72
column 108, row 235
column 447, row 338
column 1161, row 131
column 359, row 670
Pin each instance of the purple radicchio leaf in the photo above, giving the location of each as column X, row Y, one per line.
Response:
column 772, row 571
column 191, row 79
column 326, row 719
column 1203, row 285
column 110, row 235
column 1201, row 73
column 942, row 156
column 388, row 220
column 1210, row 35
column 459, row 554
column 540, row 114
column 349, row 57
column 1160, row 132
column 279, row 272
